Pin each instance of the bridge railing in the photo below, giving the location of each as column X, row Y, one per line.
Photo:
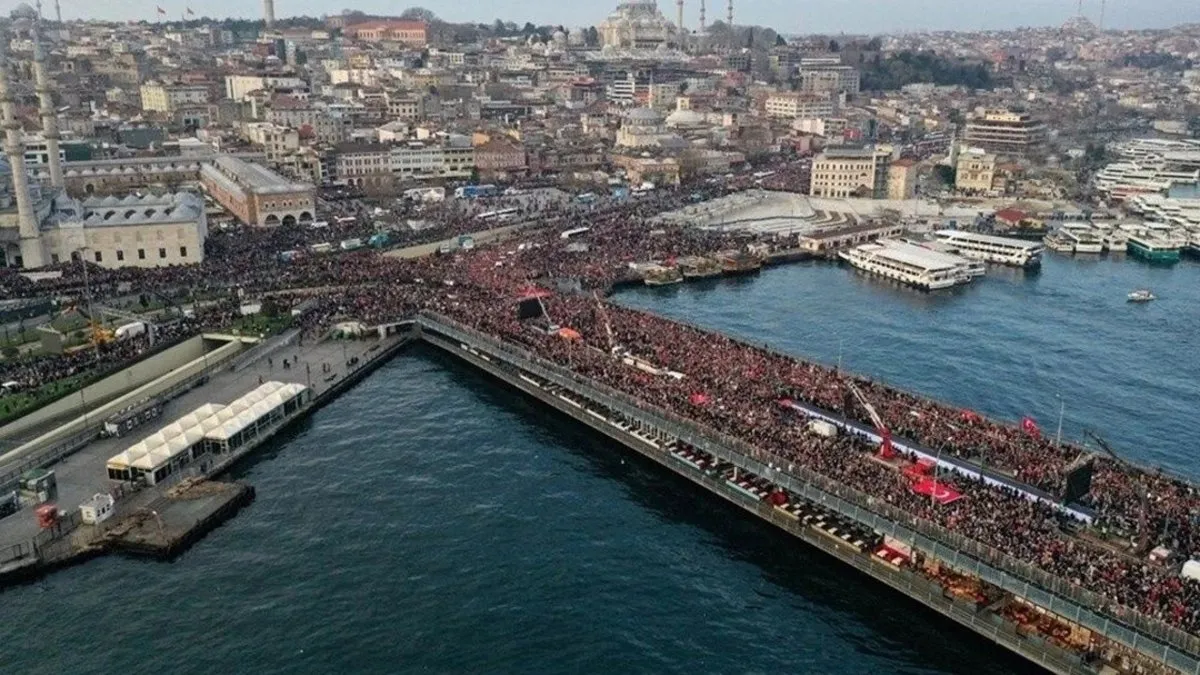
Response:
column 1085, row 607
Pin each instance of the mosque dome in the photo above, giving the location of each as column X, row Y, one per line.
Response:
column 23, row 11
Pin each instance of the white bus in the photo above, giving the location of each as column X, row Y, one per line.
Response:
column 498, row 215
column 571, row 233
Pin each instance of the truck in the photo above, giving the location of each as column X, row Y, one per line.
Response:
column 130, row 330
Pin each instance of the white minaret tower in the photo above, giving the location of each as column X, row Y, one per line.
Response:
column 32, row 254
column 701, row 16
column 46, row 108
column 729, row 14
column 679, row 15
column 269, row 13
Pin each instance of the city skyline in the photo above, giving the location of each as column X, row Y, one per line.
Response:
column 816, row 16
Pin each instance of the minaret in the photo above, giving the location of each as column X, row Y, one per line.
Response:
column 269, row 13
column 702, row 16
column 14, row 147
column 1101, row 26
column 58, row 12
column 46, row 108
column 679, row 15
column 729, row 14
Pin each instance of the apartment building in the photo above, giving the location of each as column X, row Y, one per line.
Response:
column 167, row 98
column 1005, row 132
column 975, row 171
column 850, row 172
column 799, row 105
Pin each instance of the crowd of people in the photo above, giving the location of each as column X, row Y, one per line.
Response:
column 731, row 386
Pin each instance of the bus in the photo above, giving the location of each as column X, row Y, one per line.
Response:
column 474, row 191
column 586, row 198
column 346, row 219
column 575, row 231
column 498, row 215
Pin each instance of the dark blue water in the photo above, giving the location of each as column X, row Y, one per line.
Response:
column 431, row 522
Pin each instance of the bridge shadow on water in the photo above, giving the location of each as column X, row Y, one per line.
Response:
column 885, row 622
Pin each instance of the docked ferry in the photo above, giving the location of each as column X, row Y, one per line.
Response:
column 993, row 249
column 1083, row 239
column 909, row 264
column 699, row 267
column 740, row 262
column 1056, row 241
column 660, row 275
column 1153, row 248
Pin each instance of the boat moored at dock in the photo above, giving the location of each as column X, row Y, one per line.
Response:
column 910, row 264
column 1153, row 248
column 993, row 249
column 662, row 275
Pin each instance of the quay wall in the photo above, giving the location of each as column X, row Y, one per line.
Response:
column 1158, row 641
column 136, row 375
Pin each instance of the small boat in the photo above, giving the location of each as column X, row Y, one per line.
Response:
column 1141, row 295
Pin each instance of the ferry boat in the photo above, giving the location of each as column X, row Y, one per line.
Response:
column 1192, row 249
column 993, row 249
column 1083, row 240
column 908, row 264
column 1115, row 240
column 659, row 275
column 699, row 267
column 1153, row 248
column 1055, row 241
column 1141, row 295
column 974, row 268
column 740, row 262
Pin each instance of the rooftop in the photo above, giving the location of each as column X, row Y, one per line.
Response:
column 255, row 177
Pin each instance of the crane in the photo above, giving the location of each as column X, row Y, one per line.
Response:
column 885, row 434
column 1143, row 495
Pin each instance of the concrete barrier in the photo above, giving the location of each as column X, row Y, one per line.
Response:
column 110, row 387
column 93, row 418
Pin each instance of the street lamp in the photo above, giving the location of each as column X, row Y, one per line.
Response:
column 1062, row 407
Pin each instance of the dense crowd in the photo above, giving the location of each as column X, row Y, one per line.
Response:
column 740, row 385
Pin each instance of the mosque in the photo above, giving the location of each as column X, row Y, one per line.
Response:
column 40, row 224
column 638, row 24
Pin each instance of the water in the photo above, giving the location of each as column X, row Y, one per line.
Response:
column 1010, row 345
column 429, row 521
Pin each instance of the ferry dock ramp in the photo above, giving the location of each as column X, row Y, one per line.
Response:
column 161, row 515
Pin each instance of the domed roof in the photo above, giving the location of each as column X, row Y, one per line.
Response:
column 23, row 11
column 643, row 115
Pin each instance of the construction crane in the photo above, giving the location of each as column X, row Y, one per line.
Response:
column 98, row 333
column 885, row 434
column 1143, row 496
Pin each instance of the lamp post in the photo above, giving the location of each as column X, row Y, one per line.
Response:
column 1062, row 408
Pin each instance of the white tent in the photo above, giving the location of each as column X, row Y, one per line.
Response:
column 171, row 430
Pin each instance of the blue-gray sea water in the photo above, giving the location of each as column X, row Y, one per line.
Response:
column 430, row 521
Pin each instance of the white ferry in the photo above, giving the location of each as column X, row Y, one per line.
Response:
column 1055, row 241
column 993, row 249
column 1115, row 240
column 973, row 267
column 1083, row 238
column 909, row 264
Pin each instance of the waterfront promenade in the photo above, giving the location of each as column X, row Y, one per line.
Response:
column 82, row 474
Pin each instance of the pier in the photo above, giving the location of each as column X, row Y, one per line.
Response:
column 166, row 517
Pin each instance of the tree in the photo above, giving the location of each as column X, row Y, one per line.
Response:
column 779, row 41
column 418, row 14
